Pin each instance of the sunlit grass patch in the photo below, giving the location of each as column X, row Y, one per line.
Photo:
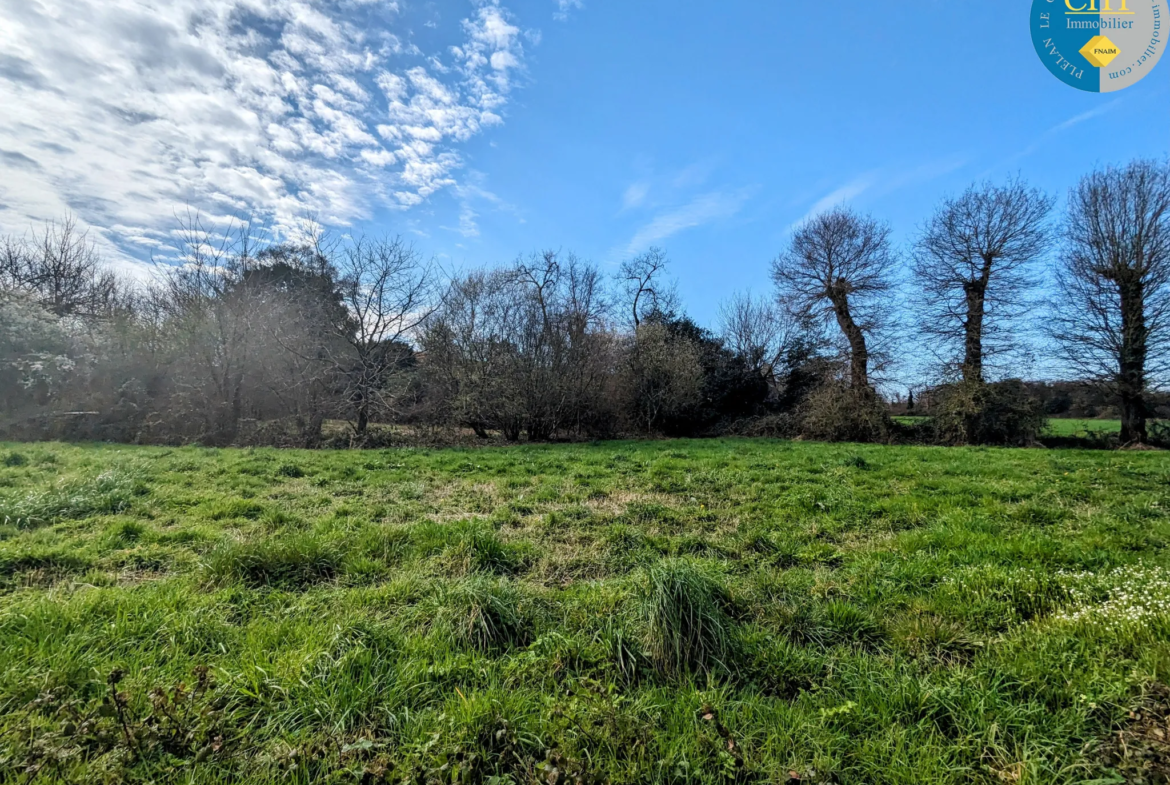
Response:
column 109, row 492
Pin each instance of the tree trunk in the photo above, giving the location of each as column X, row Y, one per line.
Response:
column 973, row 338
column 858, row 352
column 1131, row 377
column 363, row 417
column 229, row 425
column 311, row 430
column 539, row 430
column 512, row 429
column 1133, row 419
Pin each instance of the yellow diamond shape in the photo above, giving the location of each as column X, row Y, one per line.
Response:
column 1100, row 51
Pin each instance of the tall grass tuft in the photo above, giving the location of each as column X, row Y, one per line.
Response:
column 14, row 459
column 483, row 550
column 122, row 534
column 685, row 626
column 470, row 547
column 292, row 562
column 483, row 613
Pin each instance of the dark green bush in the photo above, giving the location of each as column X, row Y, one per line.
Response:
column 290, row 470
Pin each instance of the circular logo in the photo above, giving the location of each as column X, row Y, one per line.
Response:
column 1099, row 45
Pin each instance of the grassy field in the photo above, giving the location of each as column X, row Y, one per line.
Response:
column 1081, row 428
column 675, row 612
column 1056, row 426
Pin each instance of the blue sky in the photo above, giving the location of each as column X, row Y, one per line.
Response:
column 485, row 130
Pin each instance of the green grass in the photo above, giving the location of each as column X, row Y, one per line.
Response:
column 664, row 612
column 1090, row 432
column 1081, row 428
column 1056, row 426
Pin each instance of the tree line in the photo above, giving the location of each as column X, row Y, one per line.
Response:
column 252, row 342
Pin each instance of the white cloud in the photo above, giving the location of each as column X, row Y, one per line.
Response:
column 838, row 197
column 694, row 175
column 635, row 195
column 882, row 182
column 126, row 111
column 565, row 6
column 1006, row 164
column 699, row 211
column 1089, row 115
column 472, row 192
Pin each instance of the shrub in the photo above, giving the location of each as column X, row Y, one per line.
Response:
column 784, row 425
column 685, row 627
column 662, row 380
column 290, row 470
column 1001, row 413
column 1159, row 432
column 835, row 412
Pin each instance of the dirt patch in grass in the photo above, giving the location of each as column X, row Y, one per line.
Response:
column 1139, row 752
column 617, row 502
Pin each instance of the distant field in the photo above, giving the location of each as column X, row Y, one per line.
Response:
column 1063, row 427
column 664, row 612
column 1056, row 426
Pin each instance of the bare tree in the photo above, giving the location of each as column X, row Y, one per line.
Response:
column 469, row 371
column 758, row 331
column 972, row 269
column 208, row 327
column 661, row 377
column 300, row 329
column 644, row 287
column 60, row 267
column 525, row 348
column 838, row 268
column 1112, row 317
column 389, row 291
column 560, row 341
